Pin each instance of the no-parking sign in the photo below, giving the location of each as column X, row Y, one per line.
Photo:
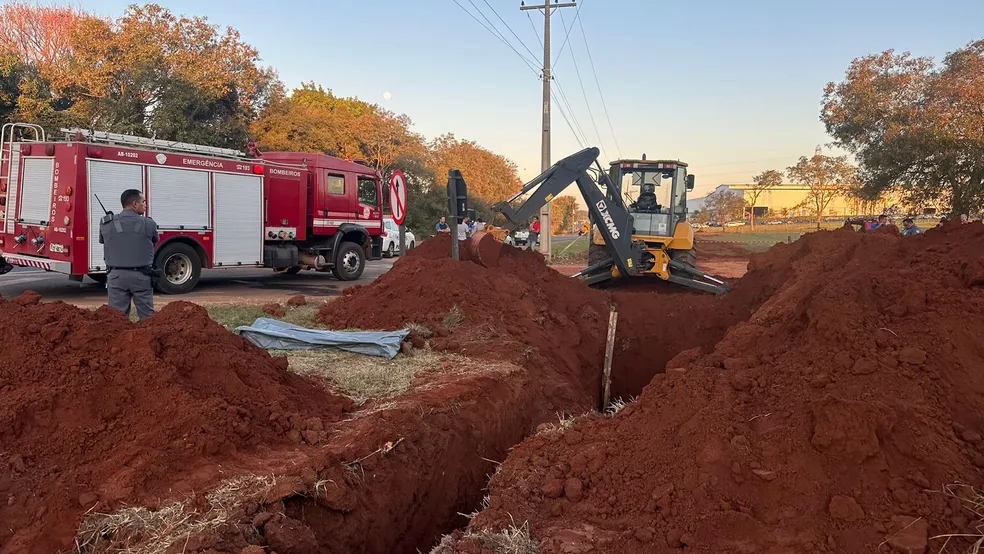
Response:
column 398, row 197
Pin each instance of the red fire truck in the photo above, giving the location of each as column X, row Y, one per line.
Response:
column 215, row 207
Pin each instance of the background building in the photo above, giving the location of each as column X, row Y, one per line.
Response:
column 792, row 200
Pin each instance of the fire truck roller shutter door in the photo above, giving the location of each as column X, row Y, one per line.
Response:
column 179, row 198
column 10, row 210
column 36, row 184
column 238, row 220
column 108, row 180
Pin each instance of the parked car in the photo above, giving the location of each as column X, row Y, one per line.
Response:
column 521, row 237
column 735, row 224
column 391, row 238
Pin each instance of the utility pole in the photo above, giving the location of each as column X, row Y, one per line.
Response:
column 547, row 8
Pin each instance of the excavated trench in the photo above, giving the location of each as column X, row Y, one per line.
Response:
column 389, row 477
column 548, row 333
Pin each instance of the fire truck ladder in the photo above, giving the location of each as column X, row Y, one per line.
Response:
column 9, row 163
column 156, row 144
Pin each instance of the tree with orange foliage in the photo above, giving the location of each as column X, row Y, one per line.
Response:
column 315, row 120
column 490, row 176
column 562, row 211
column 41, row 36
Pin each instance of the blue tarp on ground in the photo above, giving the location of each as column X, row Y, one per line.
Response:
column 271, row 334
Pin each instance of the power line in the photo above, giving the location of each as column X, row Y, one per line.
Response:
column 501, row 39
column 570, row 109
column 535, row 32
column 510, row 28
column 584, row 93
column 604, row 105
column 560, row 108
column 494, row 28
column 577, row 13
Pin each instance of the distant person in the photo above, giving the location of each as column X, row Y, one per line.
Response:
column 442, row 226
column 942, row 222
column 463, row 229
column 909, row 228
column 479, row 225
column 964, row 218
column 534, row 233
column 882, row 221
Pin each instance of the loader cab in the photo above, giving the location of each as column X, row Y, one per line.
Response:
column 655, row 192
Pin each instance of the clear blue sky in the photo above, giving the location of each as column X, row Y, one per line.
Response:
column 730, row 87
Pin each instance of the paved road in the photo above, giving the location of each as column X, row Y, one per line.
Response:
column 215, row 287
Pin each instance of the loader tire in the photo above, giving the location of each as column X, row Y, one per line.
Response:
column 688, row 257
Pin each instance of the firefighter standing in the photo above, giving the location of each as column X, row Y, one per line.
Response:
column 130, row 238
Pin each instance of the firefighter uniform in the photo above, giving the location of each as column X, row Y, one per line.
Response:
column 129, row 240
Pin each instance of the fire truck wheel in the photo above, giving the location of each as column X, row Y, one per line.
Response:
column 98, row 277
column 180, row 267
column 350, row 260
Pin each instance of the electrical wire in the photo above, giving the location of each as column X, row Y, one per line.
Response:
column 584, row 93
column 535, row 32
column 532, row 67
column 604, row 105
column 577, row 13
column 510, row 29
column 560, row 108
column 570, row 109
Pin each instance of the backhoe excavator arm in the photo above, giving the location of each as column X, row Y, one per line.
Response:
column 607, row 210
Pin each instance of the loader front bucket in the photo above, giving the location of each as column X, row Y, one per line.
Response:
column 484, row 249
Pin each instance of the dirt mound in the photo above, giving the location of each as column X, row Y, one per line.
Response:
column 98, row 412
column 833, row 420
column 520, row 311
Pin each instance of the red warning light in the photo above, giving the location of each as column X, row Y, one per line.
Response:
column 257, row 169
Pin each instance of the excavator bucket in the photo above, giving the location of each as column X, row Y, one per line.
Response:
column 484, row 249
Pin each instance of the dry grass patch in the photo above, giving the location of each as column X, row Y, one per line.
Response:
column 453, row 318
column 231, row 316
column 513, row 540
column 138, row 530
column 363, row 377
column 971, row 542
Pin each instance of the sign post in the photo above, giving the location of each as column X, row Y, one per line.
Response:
column 458, row 206
column 398, row 205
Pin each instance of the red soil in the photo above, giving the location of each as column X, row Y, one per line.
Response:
column 519, row 311
column 98, row 412
column 829, row 421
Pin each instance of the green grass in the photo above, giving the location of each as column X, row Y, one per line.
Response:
column 570, row 249
column 753, row 242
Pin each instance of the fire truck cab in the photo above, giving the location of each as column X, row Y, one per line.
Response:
column 215, row 207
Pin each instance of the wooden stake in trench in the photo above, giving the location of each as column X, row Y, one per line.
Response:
column 609, row 350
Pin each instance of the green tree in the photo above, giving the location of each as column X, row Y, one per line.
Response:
column 826, row 177
column 725, row 206
column 762, row 182
column 914, row 126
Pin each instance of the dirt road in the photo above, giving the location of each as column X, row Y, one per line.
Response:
column 216, row 286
